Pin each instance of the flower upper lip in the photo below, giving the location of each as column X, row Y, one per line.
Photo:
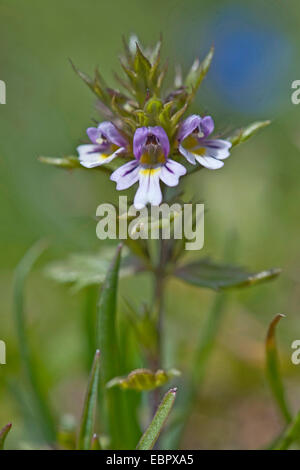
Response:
column 156, row 135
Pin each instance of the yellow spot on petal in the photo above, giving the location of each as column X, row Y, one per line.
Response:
column 149, row 171
column 103, row 156
column 199, row 151
column 190, row 142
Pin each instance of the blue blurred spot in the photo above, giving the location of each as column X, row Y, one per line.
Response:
column 250, row 71
column 251, row 62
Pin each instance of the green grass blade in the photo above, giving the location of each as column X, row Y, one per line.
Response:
column 89, row 408
column 154, row 429
column 3, row 433
column 291, row 435
column 89, row 319
column 273, row 372
column 45, row 417
column 107, row 342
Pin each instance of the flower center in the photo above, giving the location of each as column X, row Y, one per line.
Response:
column 102, row 140
column 152, row 153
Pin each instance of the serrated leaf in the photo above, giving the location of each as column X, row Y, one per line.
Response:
column 206, row 273
column 154, row 429
column 178, row 115
column 89, row 409
column 161, row 78
column 273, row 372
column 96, row 85
column 143, row 379
column 85, row 269
column 3, row 434
column 46, row 420
column 130, row 74
column 244, row 134
column 164, row 117
column 197, row 73
column 141, row 64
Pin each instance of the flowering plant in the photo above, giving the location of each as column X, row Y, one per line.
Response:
column 147, row 136
column 147, row 127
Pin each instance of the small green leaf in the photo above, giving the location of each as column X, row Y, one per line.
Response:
column 63, row 162
column 89, row 409
column 69, row 163
column 39, row 398
column 154, row 429
column 206, row 273
column 3, row 434
column 291, row 434
column 244, row 134
column 153, row 106
column 85, row 269
column 273, row 373
column 142, row 117
column 143, row 379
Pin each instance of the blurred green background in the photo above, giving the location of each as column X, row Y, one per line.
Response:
column 256, row 194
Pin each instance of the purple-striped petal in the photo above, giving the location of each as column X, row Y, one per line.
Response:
column 209, row 162
column 217, row 148
column 171, row 172
column 91, row 155
column 149, row 188
column 126, row 175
